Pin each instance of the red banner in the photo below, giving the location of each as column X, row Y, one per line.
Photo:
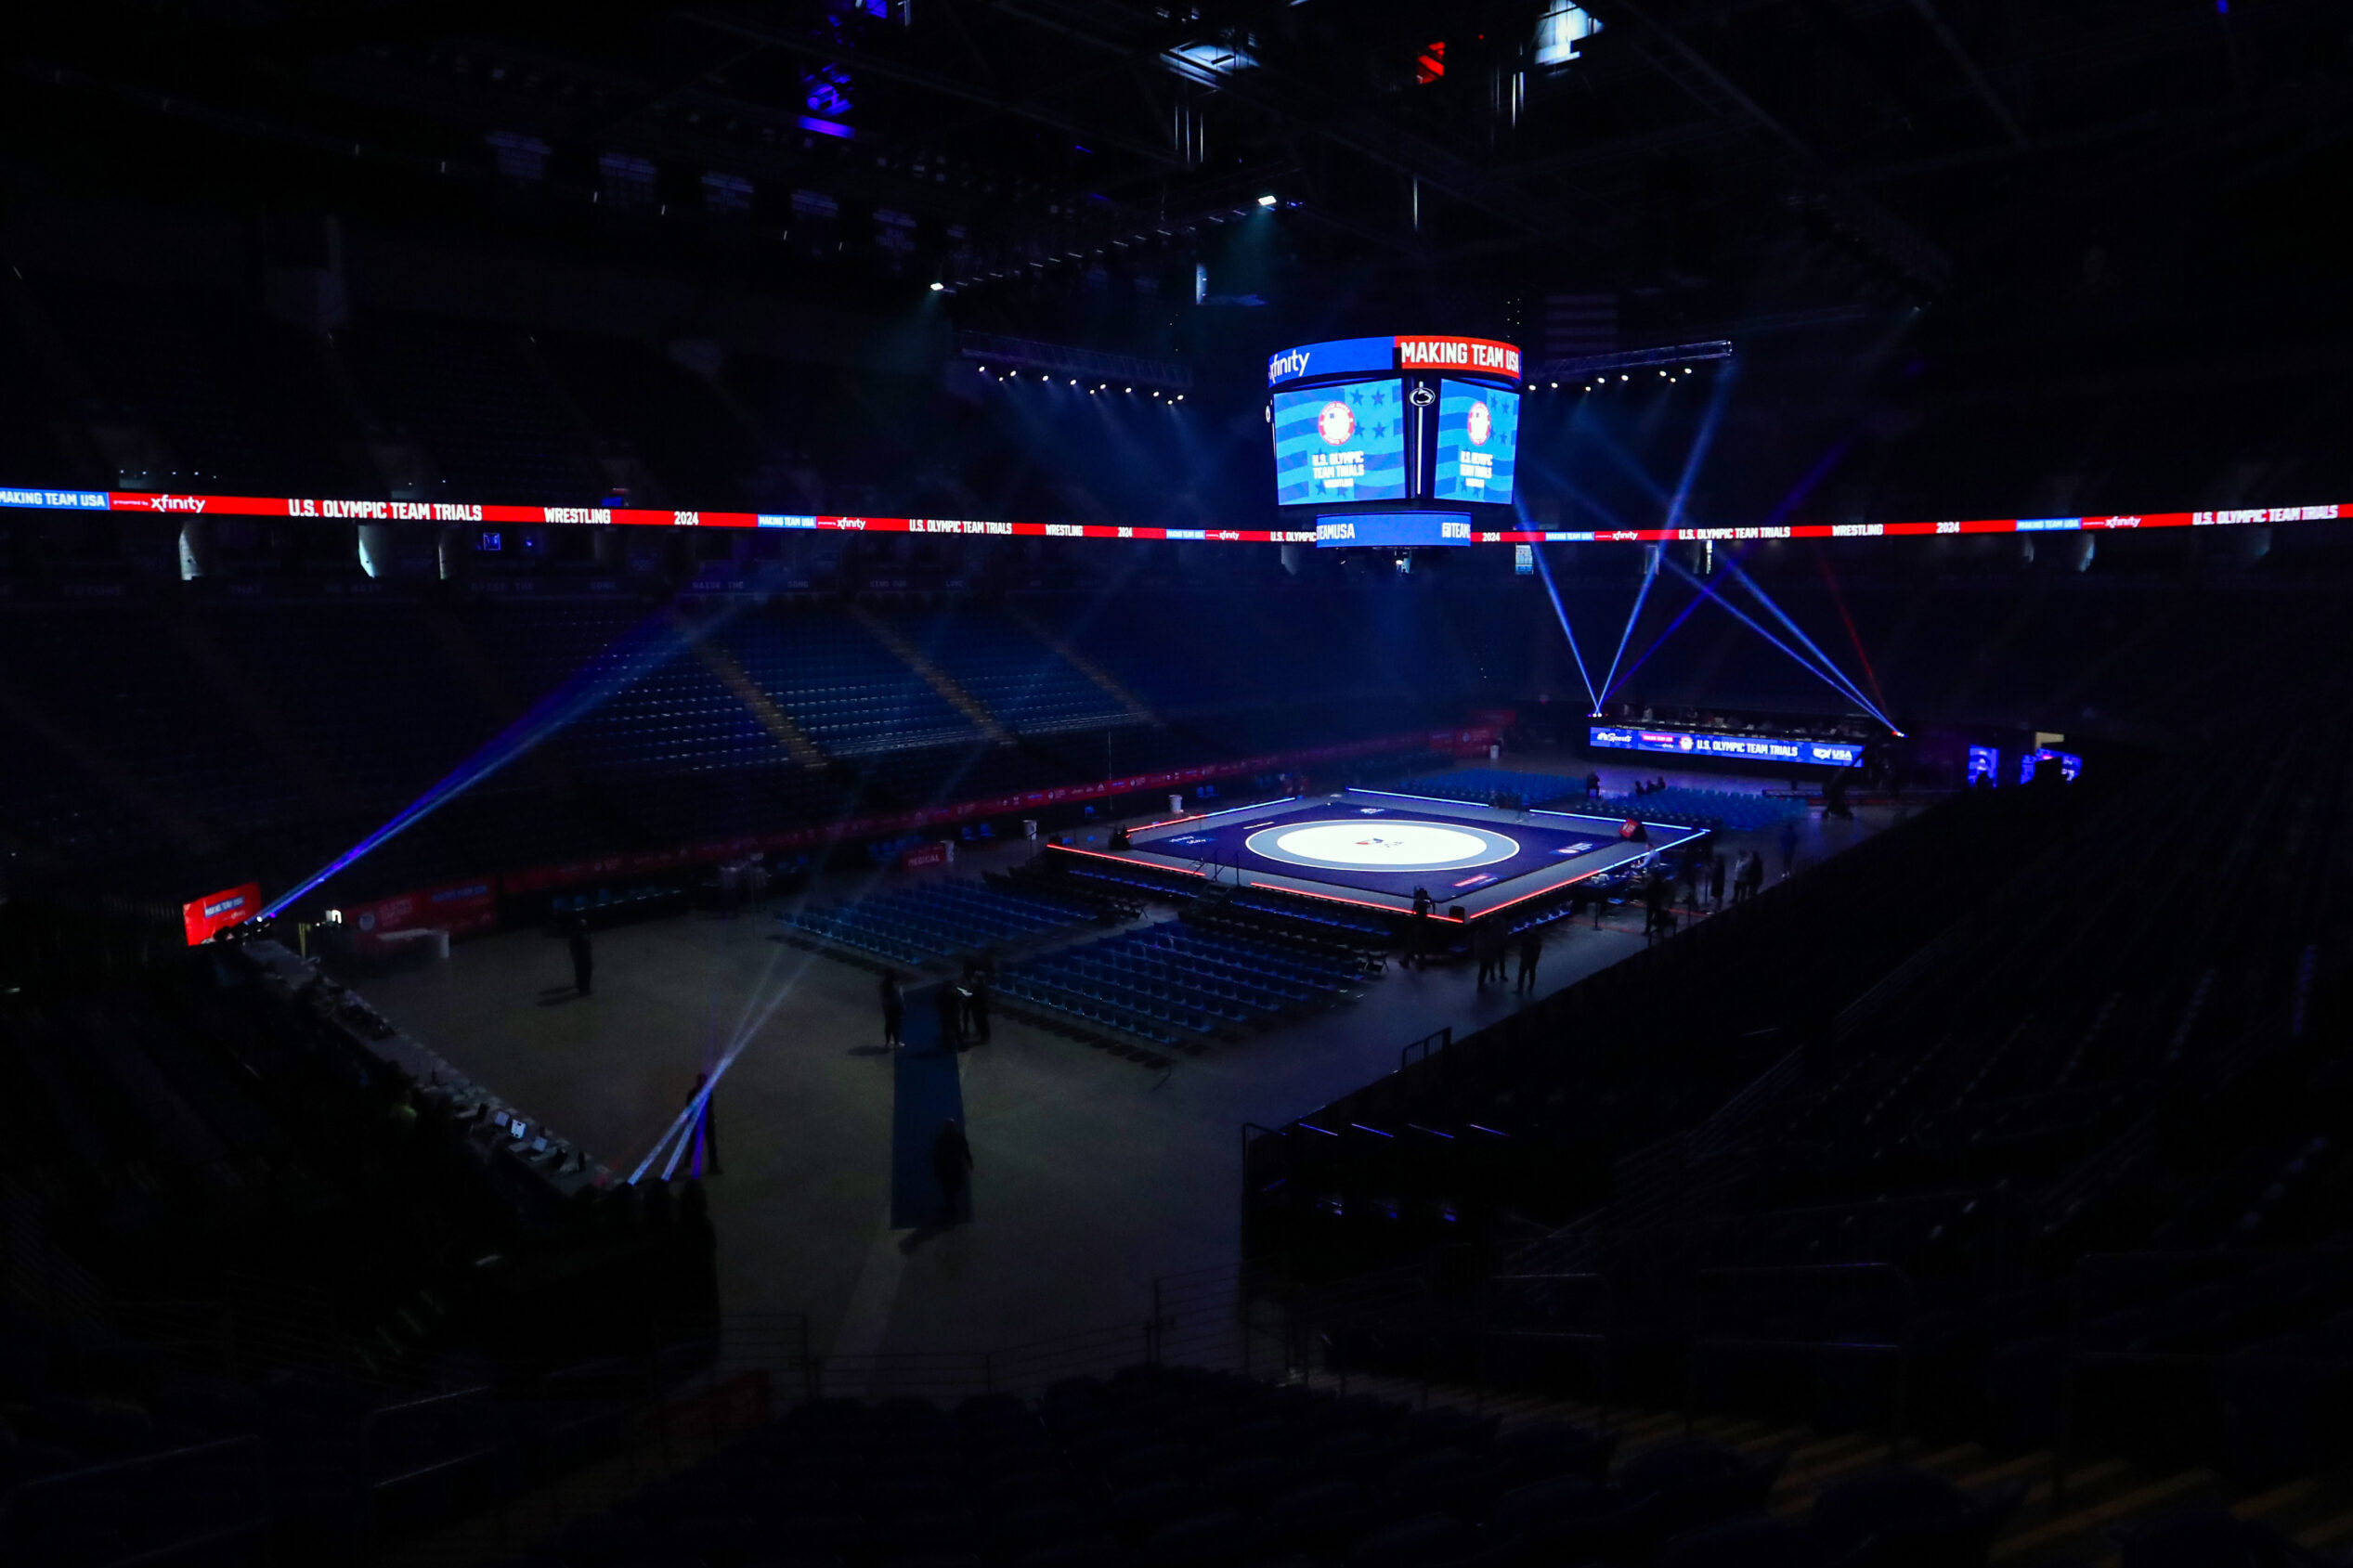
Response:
column 1476, row 354
column 217, row 912
column 1477, row 357
column 462, row 909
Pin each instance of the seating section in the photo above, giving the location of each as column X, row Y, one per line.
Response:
column 252, row 1269
column 1176, row 979
column 1025, row 684
column 322, row 714
column 1723, row 810
column 1487, row 787
column 1995, row 1165
column 935, row 920
column 849, row 693
column 1169, row 1467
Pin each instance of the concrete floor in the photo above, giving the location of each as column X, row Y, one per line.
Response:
column 1092, row 1174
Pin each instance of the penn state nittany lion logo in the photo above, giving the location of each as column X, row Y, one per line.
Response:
column 1482, row 424
column 1336, row 424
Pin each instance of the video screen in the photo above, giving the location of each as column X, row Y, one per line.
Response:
column 1344, row 443
column 2070, row 765
column 1694, row 743
column 1478, row 442
column 1399, row 528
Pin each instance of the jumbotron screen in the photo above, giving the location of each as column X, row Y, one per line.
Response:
column 1342, row 442
column 1478, row 442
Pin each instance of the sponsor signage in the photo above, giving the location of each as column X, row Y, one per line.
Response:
column 328, row 510
column 205, row 918
column 1395, row 529
column 1759, row 748
column 1363, row 356
column 462, row 909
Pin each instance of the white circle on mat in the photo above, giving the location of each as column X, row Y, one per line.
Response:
column 1385, row 845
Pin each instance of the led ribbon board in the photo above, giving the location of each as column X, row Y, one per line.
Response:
column 317, row 509
column 1753, row 748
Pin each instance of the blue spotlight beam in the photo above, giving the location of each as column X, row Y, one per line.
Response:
column 1650, row 574
column 1799, row 632
column 1672, row 626
column 1745, row 619
column 645, row 649
column 1705, row 438
column 1544, row 570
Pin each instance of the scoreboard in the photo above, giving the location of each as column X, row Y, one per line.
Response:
column 1379, row 420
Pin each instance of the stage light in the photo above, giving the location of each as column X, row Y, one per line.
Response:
column 1621, row 378
column 937, row 286
column 1131, row 389
column 1266, row 201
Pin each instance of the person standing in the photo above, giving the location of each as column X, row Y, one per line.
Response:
column 583, row 956
column 1593, row 786
column 1656, row 890
column 976, row 1006
column 1788, row 849
column 950, row 1004
column 894, row 1009
column 1716, row 880
column 951, row 1166
column 1531, row 949
column 1488, row 945
column 1418, row 933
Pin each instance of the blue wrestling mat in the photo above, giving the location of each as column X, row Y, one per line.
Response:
column 1382, row 844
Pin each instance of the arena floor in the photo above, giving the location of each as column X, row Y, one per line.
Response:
column 1376, row 846
column 1092, row 1174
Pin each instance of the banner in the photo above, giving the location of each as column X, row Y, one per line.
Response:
column 202, row 918
column 1753, row 748
column 462, row 909
column 645, row 517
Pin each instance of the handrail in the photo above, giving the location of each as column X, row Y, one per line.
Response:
column 373, row 1486
column 1445, row 1038
column 1901, row 1348
column 2074, row 1355
column 1604, row 1338
column 14, row 1502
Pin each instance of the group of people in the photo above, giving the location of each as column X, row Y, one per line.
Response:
column 1493, row 945
column 963, row 1006
column 1650, row 786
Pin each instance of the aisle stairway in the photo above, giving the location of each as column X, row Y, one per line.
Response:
column 939, row 680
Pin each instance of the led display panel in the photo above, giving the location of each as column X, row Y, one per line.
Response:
column 1478, row 442
column 1341, row 443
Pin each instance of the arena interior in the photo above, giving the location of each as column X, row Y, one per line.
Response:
column 1279, row 783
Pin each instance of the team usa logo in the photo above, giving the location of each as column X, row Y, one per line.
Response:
column 1337, row 424
column 1482, row 424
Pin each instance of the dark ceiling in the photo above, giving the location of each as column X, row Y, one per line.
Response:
column 1740, row 162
